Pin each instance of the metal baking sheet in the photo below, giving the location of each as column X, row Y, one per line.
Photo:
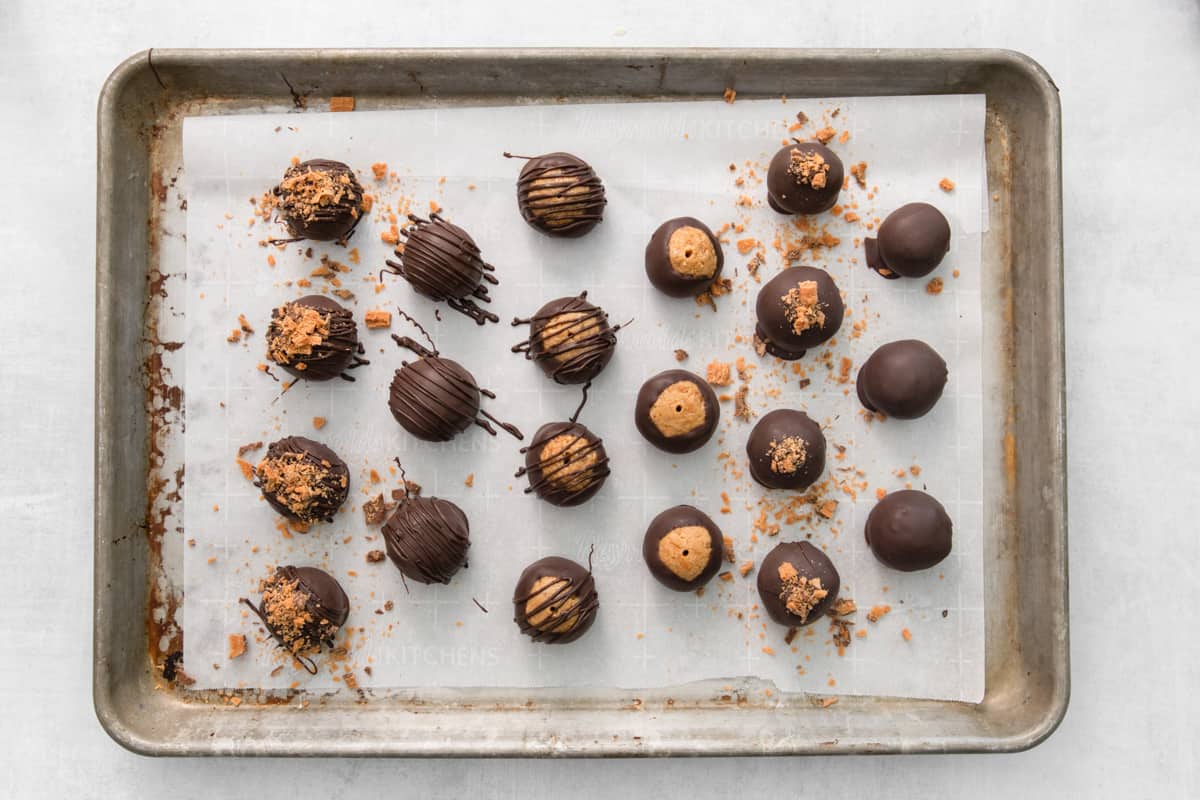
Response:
column 141, row 695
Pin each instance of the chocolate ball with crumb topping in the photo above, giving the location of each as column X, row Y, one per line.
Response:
column 683, row 548
column 313, row 338
column 797, row 583
column 303, row 608
column 677, row 411
column 320, row 200
column 804, row 178
column 683, row 257
column 799, row 308
column 786, row 450
column 302, row 479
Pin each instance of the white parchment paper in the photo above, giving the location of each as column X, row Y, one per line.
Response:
column 658, row 160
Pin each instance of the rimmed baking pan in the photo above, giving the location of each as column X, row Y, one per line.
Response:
column 141, row 695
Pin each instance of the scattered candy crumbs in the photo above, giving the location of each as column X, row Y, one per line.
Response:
column 878, row 612
column 934, row 286
column 375, row 556
column 470, row 481
column 719, row 373
column 378, row 318
column 237, row 645
column 318, row 423
column 341, row 104
column 730, row 95
column 681, row 355
column 946, row 185
column 907, row 634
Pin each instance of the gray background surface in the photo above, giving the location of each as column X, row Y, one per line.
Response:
column 1130, row 78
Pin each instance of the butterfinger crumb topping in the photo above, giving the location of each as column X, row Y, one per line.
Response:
column 312, row 190
column 800, row 595
column 295, row 331
column 808, row 168
column 298, row 481
column 286, row 609
column 787, row 455
column 803, row 307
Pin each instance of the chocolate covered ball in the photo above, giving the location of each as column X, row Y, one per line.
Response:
column 683, row 548
column 427, row 538
column 804, row 178
column 302, row 479
column 555, row 601
column 442, row 262
column 909, row 530
column 786, row 449
column 434, row 398
column 683, row 257
column 566, row 463
column 313, row 338
column 797, row 583
column 320, row 200
column 799, row 308
column 677, row 411
column 303, row 608
column 560, row 195
column 912, row 241
column 902, row 379
column 570, row 339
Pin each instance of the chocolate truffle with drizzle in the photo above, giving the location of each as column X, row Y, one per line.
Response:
column 799, row 308
column 797, row 583
column 912, row 241
column 677, row 411
column 909, row 531
column 804, row 178
column 427, row 537
column 314, row 338
column 902, row 379
column 320, row 200
column 555, row 601
column 683, row 257
column 435, row 398
column 570, row 339
column 566, row 463
column 303, row 609
column 302, row 480
column 443, row 263
column 683, row 548
column 559, row 194
column 786, row 450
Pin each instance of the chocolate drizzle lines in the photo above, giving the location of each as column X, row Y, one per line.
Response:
column 443, row 263
column 427, row 538
column 583, row 341
column 555, row 473
column 435, row 398
column 569, row 601
column 559, row 194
